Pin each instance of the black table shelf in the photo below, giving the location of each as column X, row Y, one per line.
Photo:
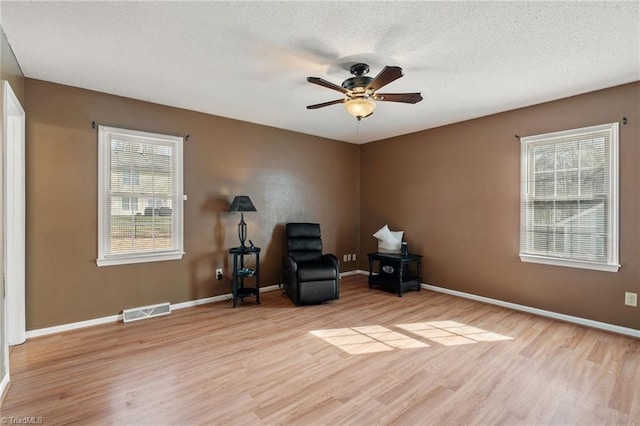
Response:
column 239, row 290
column 394, row 273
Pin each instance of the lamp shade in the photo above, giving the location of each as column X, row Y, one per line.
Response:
column 360, row 107
column 242, row 203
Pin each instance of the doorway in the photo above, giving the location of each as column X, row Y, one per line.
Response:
column 13, row 308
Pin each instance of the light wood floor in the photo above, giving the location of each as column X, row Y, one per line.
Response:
column 373, row 358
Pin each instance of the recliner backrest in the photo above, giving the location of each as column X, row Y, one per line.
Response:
column 303, row 242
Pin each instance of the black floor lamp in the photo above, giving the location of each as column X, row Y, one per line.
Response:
column 242, row 203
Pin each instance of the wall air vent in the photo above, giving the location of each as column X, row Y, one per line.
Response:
column 143, row 312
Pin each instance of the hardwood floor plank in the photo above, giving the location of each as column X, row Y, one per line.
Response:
column 627, row 384
column 368, row 358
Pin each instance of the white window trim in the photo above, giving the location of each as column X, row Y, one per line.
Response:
column 612, row 264
column 104, row 230
column 570, row 263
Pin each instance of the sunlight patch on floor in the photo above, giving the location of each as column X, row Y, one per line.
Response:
column 451, row 333
column 376, row 338
column 368, row 339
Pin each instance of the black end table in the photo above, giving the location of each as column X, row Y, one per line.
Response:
column 394, row 273
column 240, row 273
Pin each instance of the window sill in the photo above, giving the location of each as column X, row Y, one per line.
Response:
column 144, row 258
column 569, row 263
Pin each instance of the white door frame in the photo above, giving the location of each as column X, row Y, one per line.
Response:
column 14, row 216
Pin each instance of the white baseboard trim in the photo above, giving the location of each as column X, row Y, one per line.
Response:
column 550, row 314
column 115, row 318
column 219, row 298
column 542, row 312
column 72, row 326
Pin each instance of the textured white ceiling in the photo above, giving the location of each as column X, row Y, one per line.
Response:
column 249, row 60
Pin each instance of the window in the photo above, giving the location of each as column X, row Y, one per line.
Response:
column 131, row 177
column 154, row 202
column 129, row 203
column 569, row 213
column 136, row 166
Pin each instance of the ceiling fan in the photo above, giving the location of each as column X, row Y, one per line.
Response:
column 361, row 90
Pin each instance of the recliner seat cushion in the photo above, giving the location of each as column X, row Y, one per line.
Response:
column 316, row 272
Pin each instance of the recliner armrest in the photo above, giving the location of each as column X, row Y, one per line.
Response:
column 290, row 272
column 331, row 259
column 290, row 264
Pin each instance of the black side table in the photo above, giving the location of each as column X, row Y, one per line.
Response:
column 393, row 271
column 240, row 273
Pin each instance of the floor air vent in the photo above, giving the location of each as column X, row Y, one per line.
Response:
column 143, row 312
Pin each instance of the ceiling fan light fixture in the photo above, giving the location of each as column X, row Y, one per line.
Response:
column 360, row 107
column 361, row 91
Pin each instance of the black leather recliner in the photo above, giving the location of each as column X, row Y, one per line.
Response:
column 309, row 276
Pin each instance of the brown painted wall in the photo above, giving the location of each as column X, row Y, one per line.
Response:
column 289, row 176
column 455, row 190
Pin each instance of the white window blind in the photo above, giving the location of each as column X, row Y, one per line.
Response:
column 137, row 166
column 569, row 212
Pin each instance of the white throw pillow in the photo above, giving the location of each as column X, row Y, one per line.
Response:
column 389, row 241
column 398, row 235
column 384, row 234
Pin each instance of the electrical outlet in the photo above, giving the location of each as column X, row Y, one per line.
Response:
column 219, row 273
column 344, row 258
column 353, row 257
column 348, row 258
column 631, row 299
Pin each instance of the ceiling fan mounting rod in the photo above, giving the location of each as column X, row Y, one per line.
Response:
column 359, row 69
column 359, row 82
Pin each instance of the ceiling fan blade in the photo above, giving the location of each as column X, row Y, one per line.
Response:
column 409, row 98
column 324, row 104
column 386, row 76
column 324, row 83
